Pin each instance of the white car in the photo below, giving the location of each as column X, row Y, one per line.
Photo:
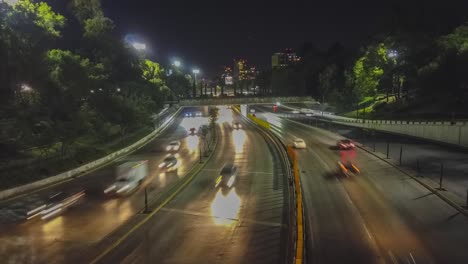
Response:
column 130, row 175
column 295, row 112
column 169, row 163
column 198, row 113
column 173, row 146
column 299, row 143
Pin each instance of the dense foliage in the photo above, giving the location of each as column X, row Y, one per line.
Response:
column 415, row 68
column 57, row 96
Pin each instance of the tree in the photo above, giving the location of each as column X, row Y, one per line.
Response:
column 368, row 70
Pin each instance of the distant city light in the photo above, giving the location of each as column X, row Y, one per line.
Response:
column 139, row 46
column 196, row 71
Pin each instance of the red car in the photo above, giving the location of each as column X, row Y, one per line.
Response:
column 345, row 144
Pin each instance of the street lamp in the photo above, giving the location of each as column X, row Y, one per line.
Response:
column 177, row 63
column 392, row 54
column 139, row 46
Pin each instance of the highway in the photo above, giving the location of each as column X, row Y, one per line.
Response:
column 426, row 155
column 95, row 216
column 377, row 216
column 204, row 224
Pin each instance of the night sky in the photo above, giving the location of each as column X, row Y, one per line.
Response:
column 210, row 34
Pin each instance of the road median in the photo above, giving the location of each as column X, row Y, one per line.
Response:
column 296, row 221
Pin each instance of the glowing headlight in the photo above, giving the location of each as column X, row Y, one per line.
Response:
column 231, row 181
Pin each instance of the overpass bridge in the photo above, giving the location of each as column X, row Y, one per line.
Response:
column 243, row 100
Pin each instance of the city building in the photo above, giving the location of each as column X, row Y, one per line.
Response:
column 227, row 76
column 284, row 59
column 243, row 71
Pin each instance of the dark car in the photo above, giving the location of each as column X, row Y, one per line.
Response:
column 227, row 177
column 55, row 204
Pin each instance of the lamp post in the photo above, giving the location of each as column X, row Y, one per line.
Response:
column 195, row 72
column 393, row 54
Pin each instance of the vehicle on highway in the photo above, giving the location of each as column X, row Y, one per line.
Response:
column 55, row 204
column 236, row 125
column 173, row 146
column 345, row 144
column 299, row 143
column 192, row 131
column 198, row 113
column 169, row 163
column 252, row 110
column 188, row 114
column 295, row 112
column 346, row 168
column 130, row 175
column 227, row 177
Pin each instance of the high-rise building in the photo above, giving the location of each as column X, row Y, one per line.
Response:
column 240, row 69
column 227, row 76
column 243, row 71
column 284, row 59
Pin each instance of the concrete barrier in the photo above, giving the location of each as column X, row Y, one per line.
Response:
column 82, row 170
column 454, row 133
column 445, row 132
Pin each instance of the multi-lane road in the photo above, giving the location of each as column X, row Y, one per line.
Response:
column 204, row 224
column 58, row 239
column 376, row 216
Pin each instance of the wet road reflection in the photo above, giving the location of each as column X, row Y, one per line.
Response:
column 225, row 207
column 238, row 138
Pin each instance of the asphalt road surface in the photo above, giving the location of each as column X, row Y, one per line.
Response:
column 417, row 154
column 376, row 216
column 204, row 224
column 67, row 235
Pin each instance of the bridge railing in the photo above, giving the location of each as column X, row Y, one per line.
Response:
column 245, row 100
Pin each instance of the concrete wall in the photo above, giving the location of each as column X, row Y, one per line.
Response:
column 87, row 167
column 455, row 133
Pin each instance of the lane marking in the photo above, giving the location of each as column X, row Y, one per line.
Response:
column 392, row 257
column 247, row 220
column 242, row 171
column 195, row 172
column 412, row 258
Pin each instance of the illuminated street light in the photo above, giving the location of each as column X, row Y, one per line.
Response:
column 177, row 63
column 25, row 88
column 393, row 54
column 139, row 46
column 196, row 71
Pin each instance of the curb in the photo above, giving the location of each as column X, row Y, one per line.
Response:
column 193, row 172
column 433, row 190
column 71, row 174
